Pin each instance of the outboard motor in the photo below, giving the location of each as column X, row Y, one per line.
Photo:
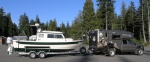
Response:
column 10, row 45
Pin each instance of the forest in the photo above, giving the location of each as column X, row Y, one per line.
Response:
column 135, row 20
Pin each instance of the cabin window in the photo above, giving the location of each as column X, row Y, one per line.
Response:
column 116, row 37
column 50, row 36
column 130, row 42
column 59, row 36
column 124, row 41
column 41, row 35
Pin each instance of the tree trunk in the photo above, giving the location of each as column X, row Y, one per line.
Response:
column 148, row 22
column 143, row 27
column 106, row 17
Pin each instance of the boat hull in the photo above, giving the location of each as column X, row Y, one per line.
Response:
column 27, row 46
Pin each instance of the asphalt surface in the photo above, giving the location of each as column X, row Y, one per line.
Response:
column 4, row 57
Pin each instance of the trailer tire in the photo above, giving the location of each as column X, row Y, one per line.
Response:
column 42, row 55
column 83, row 50
column 32, row 55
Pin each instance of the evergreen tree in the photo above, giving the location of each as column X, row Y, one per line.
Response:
column 148, row 10
column 105, row 8
column 2, row 22
column 130, row 18
column 50, row 25
column 9, row 26
column 24, row 25
column 123, row 13
column 54, row 25
column 88, row 16
column 47, row 25
column 43, row 26
column 37, row 20
column 67, row 30
column 62, row 27
column 142, row 21
column 15, row 30
column 76, row 30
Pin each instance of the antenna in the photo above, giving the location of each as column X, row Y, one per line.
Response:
column 36, row 24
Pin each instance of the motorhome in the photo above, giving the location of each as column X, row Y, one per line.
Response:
column 112, row 41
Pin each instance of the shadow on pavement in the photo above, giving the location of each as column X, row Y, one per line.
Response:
column 123, row 59
column 83, row 59
column 146, row 52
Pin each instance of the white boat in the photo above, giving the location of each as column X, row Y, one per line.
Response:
column 52, row 39
column 46, row 42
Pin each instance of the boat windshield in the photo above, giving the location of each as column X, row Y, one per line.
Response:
column 58, row 36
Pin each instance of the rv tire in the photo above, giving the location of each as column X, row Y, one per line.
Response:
column 111, row 52
column 140, row 52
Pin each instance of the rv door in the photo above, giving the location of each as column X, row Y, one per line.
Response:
column 93, row 35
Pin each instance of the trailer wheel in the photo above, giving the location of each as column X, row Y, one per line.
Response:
column 42, row 55
column 32, row 55
column 111, row 52
column 139, row 52
column 83, row 50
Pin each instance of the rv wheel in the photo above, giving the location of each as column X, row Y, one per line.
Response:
column 111, row 52
column 140, row 52
column 42, row 55
column 82, row 50
column 32, row 55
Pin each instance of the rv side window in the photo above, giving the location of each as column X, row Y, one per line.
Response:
column 124, row 41
column 41, row 35
column 58, row 36
column 50, row 36
column 106, row 34
column 116, row 37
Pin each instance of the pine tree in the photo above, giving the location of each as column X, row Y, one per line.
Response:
column 50, row 25
column 54, row 25
column 76, row 30
column 67, row 30
column 43, row 26
column 130, row 18
column 148, row 12
column 62, row 27
column 24, row 25
column 9, row 26
column 123, row 13
column 37, row 20
column 105, row 8
column 15, row 30
column 142, row 21
column 88, row 16
column 2, row 22
column 47, row 25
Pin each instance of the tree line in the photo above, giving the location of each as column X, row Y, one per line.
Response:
column 135, row 20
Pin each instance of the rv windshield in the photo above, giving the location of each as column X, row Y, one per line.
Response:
column 131, row 42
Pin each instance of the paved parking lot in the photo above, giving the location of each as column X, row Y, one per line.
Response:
column 4, row 57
